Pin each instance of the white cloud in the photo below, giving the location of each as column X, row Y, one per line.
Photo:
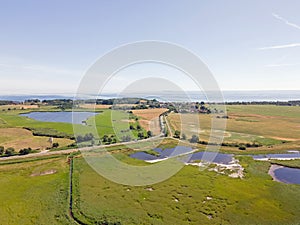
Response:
column 281, row 46
column 286, row 21
column 282, row 65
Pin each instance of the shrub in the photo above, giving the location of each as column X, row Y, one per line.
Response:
column 177, row 134
column 242, row 148
column 1, row 150
column 194, row 139
column 55, row 145
column 10, row 151
column 149, row 133
column 25, row 151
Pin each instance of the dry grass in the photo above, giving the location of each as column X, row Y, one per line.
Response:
column 19, row 138
column 149, row 118
column 19, row 107
column 94, row 106
column 243, row 124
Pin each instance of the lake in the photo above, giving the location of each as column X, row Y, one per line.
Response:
column 62, row 117
column 285, row 174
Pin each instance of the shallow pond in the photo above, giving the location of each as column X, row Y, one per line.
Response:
column 285, row 174
column 284, row 156
column 64, row 117
column 183, row 150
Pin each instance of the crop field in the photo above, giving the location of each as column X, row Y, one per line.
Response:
column 189, row 197
column 149, row 118
column 268, row 125
column 34, row 192
column 19, row 138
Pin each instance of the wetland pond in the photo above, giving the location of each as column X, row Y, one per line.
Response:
column 187, row 152
column 279, row 173
column 285, row 174
column 63, row 117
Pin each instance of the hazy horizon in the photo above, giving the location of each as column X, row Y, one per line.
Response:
column 47, row 47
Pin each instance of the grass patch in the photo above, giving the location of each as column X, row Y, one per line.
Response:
column 189, row 197
column 27, row 199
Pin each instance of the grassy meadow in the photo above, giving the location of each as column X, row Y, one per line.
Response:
column 35, row 190
column 31, row 196
column 189, row 197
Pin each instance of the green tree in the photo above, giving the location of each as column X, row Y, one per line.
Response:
column 141, row 135
column 138, row 127
column 105, row 138
column 194, row 139
column 177, row 134
column 1, row 150
column 10, row 151
column 25, row 151
column 183, row 137
column 55, row 145
column 149, row 133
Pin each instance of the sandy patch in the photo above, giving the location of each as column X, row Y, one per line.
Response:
column 285, row 139
column 272, row 170
column 47, row 172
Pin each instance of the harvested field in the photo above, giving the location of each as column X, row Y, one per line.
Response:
column 149, row 118
column 19, row 138
column 19, row 107
column 92, row 106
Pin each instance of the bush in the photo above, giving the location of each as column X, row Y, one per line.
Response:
column 126, row 138
column 1, row 150
column 194, row 139
column 149, row 133
column 86, row 137
column 242, row 148
column 55, row 145
column 25, row 151
column 141, row 135
column 177, row 134
column 9, row 151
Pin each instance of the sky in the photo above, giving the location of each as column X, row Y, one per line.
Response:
column 47, row 46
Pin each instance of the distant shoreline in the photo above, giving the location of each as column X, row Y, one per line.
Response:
column 229, row 97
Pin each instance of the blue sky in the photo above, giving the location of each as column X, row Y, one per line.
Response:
column 46, row 46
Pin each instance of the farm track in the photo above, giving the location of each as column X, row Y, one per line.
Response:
column 68, row 151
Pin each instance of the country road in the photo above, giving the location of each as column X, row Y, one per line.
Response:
column 68, row 151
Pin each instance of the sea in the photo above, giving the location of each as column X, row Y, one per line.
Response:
column 228, row 96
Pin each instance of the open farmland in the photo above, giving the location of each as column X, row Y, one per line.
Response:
column 149, row 118
column 268, row 125
column 19, row 138
column 107, row 122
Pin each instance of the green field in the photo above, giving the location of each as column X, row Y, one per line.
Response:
column 27, row 197
column 36, row 190
column 189, row 197
column 107, row 122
